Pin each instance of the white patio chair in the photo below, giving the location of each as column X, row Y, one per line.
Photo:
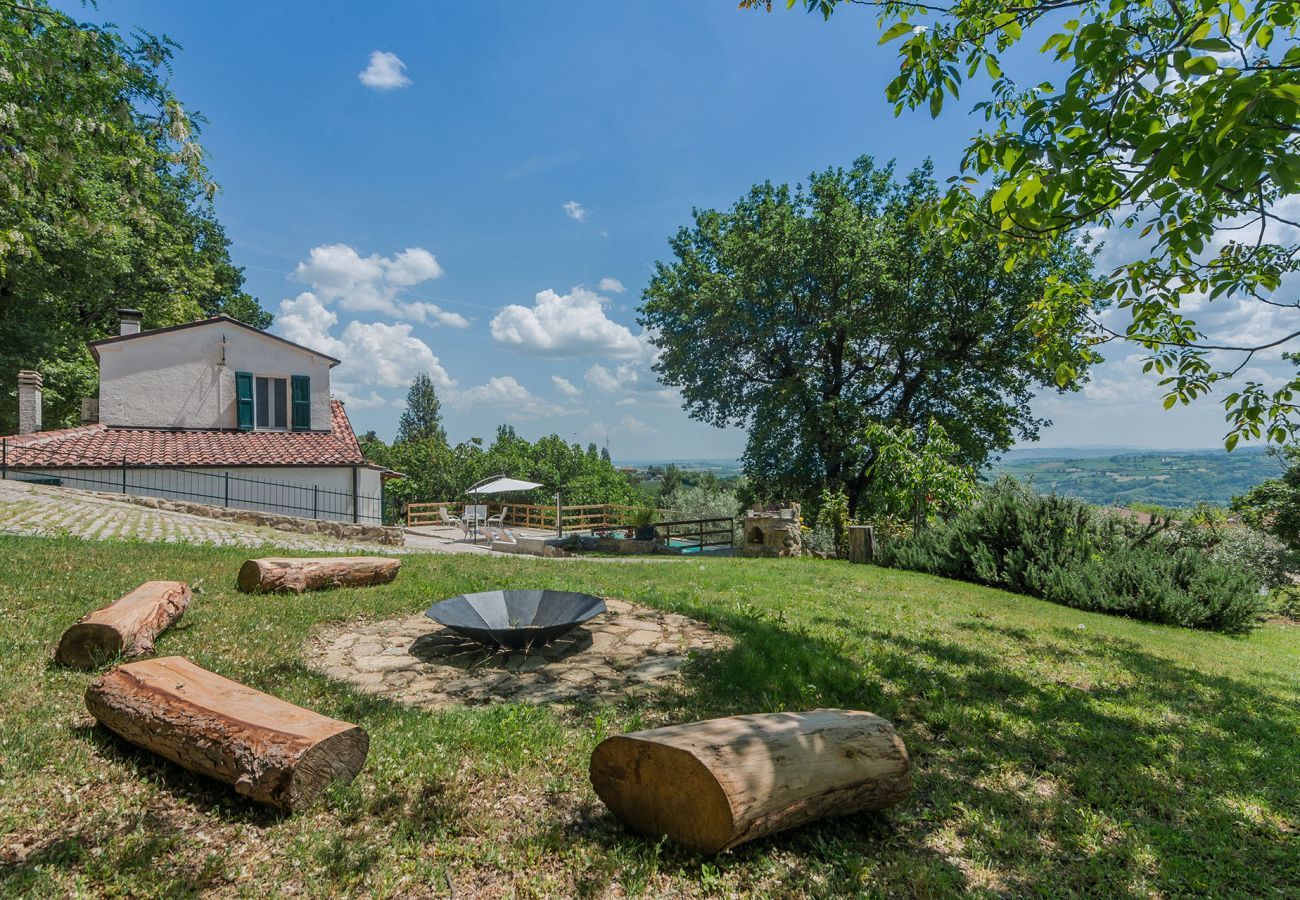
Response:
column 446, row 518
column 499, row 520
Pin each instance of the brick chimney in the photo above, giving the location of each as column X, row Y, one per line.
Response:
column 130, row 321
column 29, row 401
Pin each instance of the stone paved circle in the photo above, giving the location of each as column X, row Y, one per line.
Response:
column 416, row 661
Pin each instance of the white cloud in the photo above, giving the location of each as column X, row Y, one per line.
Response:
column 602, row 379
column 337, row 273
column 627, row 426
column 354, row 399
column 432, row 314
column 385, row 72
column 305, row 320
column 505, row 392
column 411, row 266
column 573, row 209
column 635, row 381
column 373, row 354
column 565, row 386
column 389, row 355
column 611, row 285
column 572, row 324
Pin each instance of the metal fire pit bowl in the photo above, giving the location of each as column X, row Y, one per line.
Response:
column 515, row 620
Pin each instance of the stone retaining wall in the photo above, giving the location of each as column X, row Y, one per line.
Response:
column 375, row 534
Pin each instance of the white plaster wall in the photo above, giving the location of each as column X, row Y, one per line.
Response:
column 286, row 490
column 176, row 380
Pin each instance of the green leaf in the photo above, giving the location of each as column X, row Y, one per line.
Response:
column 895, row 31
column 1200, row 65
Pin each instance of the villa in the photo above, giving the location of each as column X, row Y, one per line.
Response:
column 213, row 411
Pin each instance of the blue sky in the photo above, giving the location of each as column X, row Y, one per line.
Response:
column 487, row 202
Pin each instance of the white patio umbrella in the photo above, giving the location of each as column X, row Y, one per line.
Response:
column 498, row 484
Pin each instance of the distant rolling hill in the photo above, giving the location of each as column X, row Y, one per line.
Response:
column 1174, row 478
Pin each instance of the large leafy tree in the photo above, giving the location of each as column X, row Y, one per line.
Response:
column 1175, row 120
column 106, row 201
column 806, row 314
column 422, row 418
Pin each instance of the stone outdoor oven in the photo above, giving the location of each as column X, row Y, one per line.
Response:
column 773, row 531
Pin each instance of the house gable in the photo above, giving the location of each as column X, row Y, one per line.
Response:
column 192, row 376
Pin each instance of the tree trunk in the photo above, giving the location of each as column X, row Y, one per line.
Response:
column 862, row 544
column 295, row 575
column 712, row 785
column 127, row 626
column 270, row 750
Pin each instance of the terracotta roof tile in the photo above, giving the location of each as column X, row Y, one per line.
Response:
column 98, row 445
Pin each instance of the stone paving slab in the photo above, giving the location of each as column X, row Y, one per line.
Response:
column 416, row 661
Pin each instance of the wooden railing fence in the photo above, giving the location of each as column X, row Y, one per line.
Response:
column 712, row 532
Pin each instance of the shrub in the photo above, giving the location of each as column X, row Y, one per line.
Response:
column 1245, row 548
column 833, row 520
column 1286, row 602
column 1062, row 550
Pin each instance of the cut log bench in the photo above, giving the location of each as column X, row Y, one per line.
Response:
column 297, row 574
column 127, row 626
column 712, row 785
column 270, row 750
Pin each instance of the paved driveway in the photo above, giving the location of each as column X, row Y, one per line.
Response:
column 50, row 511
column 45, row 511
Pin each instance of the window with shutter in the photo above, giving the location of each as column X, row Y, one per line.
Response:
column 244, row 400
column 301, row 402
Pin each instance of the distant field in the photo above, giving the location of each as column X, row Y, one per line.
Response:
column 1174, row 478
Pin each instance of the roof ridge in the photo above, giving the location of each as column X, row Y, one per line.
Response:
column 96, row 445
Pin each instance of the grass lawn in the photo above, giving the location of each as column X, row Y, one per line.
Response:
column 1055, row 752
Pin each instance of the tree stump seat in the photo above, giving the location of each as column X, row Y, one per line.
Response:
column 128, row 626
column 713, row 785
column 293, row 574
column 270, row 750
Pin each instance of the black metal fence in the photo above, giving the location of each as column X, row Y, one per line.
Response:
column 220, row 488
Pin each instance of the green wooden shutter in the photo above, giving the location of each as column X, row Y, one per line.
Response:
column 244, row 400
column 301, row 402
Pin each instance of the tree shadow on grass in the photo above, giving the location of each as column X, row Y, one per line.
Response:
column 1087, row 766
column 148, row 850
column 184, row 786
column 1095, row 767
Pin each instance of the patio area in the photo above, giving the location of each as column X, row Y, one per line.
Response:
column 528, row 528
column 451, row 539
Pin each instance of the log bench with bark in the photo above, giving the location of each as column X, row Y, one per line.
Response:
column 270, row 750
column 712, row 785
column 297, row 574
column 128, row 626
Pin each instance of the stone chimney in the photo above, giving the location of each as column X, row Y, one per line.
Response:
column 130, row 319
column 29, row 401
